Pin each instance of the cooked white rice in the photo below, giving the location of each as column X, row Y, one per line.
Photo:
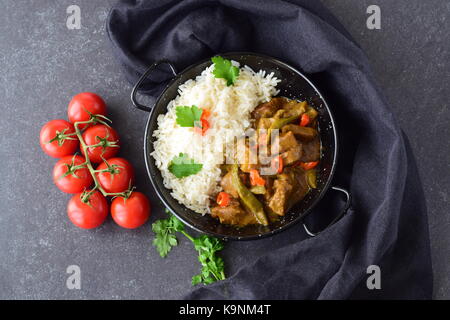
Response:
column 230, row 113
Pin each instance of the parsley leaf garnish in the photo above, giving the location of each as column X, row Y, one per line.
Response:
column 224, row 69
column 188, row 116
column 213, row 267
column 181, row 166
column 165, row 238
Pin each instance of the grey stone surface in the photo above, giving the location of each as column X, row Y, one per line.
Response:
column 44, row 64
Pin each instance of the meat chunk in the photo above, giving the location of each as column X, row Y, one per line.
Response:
column 294, row 108
column 289, row 188
column 279, row 114
column 289, row 148
column 282, row 187
column 266, row 199
column 227, row 185
column 303, row 133
column 301, row 187
column 286, row 141
column 311, row 150
column 264, row 123
column 268, row 109
column 292, row 155
column 233, row 214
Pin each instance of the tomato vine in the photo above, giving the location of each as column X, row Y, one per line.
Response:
column 94, row 119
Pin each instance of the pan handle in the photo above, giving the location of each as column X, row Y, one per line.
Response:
column 339, row 216
column 142, row 79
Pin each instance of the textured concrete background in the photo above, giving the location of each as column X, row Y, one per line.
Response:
column 44, row 64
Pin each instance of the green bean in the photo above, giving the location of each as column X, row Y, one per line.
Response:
column 248, row 199
column 311, row 178
column 278, row 124
column 258, row 189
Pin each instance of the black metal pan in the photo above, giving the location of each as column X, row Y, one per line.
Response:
column 293, row 85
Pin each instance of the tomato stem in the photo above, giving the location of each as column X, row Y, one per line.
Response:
column 60, row 137
column 92, row 171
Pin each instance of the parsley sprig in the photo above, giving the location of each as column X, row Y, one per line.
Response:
column 165, row 238
column 188, row 116
column 212, row 265
column 182, row 166
column 206, row 246
column 224, row 69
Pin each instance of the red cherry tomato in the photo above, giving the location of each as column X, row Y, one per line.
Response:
column 120, row 180
column 205, row 114
column 304, row 120
column 132, row 212
column 101, row 134
column 205, row 126
column 309, row 165
column 84, row 103
column 77, row 181
column 256, row 179
column 61, row 145
column 204, row 122
column 88, row 216
column 223, row 199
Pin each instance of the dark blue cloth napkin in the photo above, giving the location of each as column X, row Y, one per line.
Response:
column 387, row 224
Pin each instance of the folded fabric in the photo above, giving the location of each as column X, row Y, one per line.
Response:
column 387, row 224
